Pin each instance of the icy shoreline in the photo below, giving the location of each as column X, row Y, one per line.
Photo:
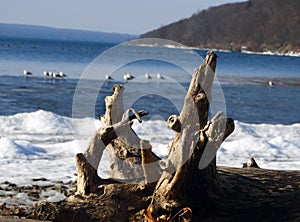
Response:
column 43, row 144
column 37, row 152
column 179, row 46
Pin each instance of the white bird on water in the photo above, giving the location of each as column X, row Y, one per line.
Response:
column 147, row 76
column 127, row 76
column 55, row 74
column 47, row 74
column 159, row 76
column 27, row 73
column 271, row 83
column 108, row 77
column 62, row 75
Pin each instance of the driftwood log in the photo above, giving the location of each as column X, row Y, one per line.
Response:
column 192, row 175
column 190, row 167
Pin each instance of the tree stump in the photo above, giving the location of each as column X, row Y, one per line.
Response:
column 190, row 167
column 191, row 176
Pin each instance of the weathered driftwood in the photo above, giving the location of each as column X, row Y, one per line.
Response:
column 120, row 141
column 251, row 194
column 190, row 166
column 251, row 163
column 150, row 171
column 191, row 173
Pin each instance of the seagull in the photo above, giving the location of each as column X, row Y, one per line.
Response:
column 62, row 75
column 108, row 76
column 55, row 75
column 127, row 76
column 47, row 74
column 159, row 76
column 271, row 83
column 147, row 76
column 27, row 73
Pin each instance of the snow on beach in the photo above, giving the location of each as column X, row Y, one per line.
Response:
column 43, row 144
column 38, row 144
column 273, row 146
column 37, row 151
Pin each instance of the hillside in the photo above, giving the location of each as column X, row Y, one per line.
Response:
column 43, row 32
column 256, row 25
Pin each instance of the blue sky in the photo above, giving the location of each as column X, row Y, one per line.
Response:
column 124, row 16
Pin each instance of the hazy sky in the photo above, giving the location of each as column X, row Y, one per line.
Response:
column 124, row 16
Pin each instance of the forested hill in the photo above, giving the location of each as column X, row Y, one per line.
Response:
column 255, row 25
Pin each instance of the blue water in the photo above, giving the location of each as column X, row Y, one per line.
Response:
column 244, row 79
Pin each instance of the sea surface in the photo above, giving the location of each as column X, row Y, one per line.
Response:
column 44, row 121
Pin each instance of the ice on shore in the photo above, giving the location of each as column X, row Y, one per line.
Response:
column 43, row 144
column 52, row 196
column 273, row 146
column 18, row 150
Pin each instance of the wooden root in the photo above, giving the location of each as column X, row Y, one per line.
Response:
column 150, row 171
column 193, row 150
column 251, row 163
column 191, row 164
column 122, row 144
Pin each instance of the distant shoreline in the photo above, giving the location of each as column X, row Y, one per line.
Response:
column 147, row 44
column 179, row 46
